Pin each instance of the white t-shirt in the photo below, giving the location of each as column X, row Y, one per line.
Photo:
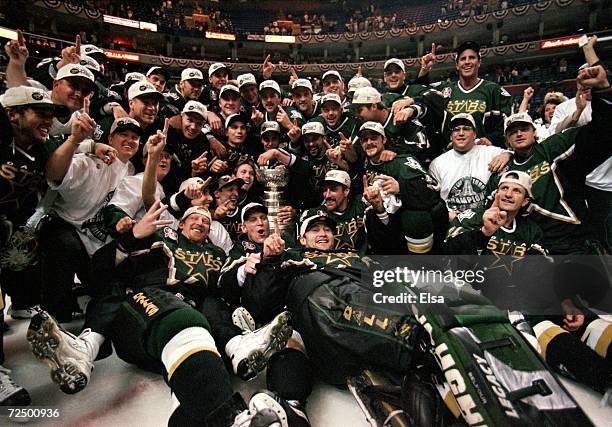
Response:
column 464, row 176
column 128, row 198
column 600, row 178
column 87, row 187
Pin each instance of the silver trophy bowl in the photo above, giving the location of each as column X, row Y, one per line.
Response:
column 274, row 180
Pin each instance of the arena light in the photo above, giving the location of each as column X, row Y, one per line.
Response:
column 561, row 42
column 110, row 19
column 122, row 56
column 8, row 33
column 148, row 26
column 279, row 39
column 219, row 36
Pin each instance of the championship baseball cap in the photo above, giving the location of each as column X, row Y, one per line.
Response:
column 518, row 118
column 313, row 216
column 313, row 127
column 366, row 95
column 191, row 74
column 159, row 70
column 301, row 83
column 465, row 46
column 331, row 97
column 252, row 207
column 358, row 82
column 518, row 177
column 131, row 78
column 141, row 89
column 126, row 123
column 74, row 71
column 197, row 108
column 216, row 67
column 246, row 79
column 339, row 176
column 236, row 117
column 374, row 127
column 228, row 88
column 269, row 84
column 464, row 118
column 90, row 49
column 395, row 61
column 89, row 62
column 270, row 126
column 31, row 97
column 226, row 180
column 199, row 210
column 331, row 73
column 193, row 180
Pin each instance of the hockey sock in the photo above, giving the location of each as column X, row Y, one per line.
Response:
column 598, row 336
column 196, row 373
column 568, row 355
column 290, row 375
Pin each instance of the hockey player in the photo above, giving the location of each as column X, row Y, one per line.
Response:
column 558, row 167
column 157, row 325
column 464, row 171
column 487, row 101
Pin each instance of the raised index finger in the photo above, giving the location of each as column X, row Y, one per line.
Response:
column 293, row 73
column 365, row 182
column 77, row 44
column 166, row 125
column 20, row 38
column 86, row 105
column 276, row 227
column 433, row 48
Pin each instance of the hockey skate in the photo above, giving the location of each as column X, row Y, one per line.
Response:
column 68, row 356
column 379, row 399
column 287, row 413
column 11, row 394
column 250, row 351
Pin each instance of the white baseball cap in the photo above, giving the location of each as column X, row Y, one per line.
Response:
column 331, row 97
column 331, row 73
column 465, row 117
column 395, row 61
column 518, row 177
column 142, row 88
column 301, row 83
column 228, row 88
column 313, row 127
column 250, row 207
column 246, row 79
column 518, row 118
column 156, row 69
column 134, row 77
column 216, row 67
column 191, row 74
column 126, row 123
column 313, row 216
column 270, row 126
column 366, row 95
column 197, row 108
column 75, row 70
column 90, row 63
column 269, row 84
column 193, row 180
column 30, row 96
column 199, row 210
column 373, row 126
column 339, row 176
column 90, row 49
column 358, row 82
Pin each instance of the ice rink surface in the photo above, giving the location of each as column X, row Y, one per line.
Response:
column 123, row 395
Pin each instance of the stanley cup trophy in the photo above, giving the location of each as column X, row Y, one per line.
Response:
column 274, row 180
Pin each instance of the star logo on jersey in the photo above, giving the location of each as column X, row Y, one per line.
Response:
column 342, row 259
column 504, row 261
